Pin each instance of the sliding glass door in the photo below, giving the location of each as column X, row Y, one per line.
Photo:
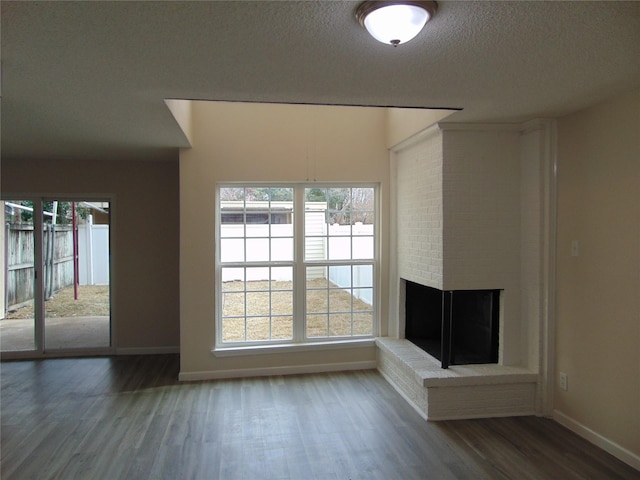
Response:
column 65, row 303
column 18, row 277
column 76, row 274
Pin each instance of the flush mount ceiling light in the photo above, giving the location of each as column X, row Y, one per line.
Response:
column 395, row 22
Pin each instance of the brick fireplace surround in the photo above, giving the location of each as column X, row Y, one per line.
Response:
column 471, row 212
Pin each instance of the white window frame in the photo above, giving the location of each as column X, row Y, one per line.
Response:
column 299, row 340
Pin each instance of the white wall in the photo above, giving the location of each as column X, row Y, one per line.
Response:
column 236, row 142
column 2, row 262
column 481, row 222
column 537, row 252
column 419, row 210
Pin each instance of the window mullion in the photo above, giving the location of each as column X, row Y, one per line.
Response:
column 299, row 274
column 345, row 244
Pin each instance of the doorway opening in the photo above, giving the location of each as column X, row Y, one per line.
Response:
column 56, row 277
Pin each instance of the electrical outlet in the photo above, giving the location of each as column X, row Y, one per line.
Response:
column 564, row 381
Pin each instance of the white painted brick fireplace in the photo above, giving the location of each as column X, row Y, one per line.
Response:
column 471, row 212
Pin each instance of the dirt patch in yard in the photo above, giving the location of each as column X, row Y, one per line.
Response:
column 93, row 301
column 331, row 311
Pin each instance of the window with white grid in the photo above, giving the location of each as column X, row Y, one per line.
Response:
column 296, row 263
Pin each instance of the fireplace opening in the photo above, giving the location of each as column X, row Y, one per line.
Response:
column 458, row 327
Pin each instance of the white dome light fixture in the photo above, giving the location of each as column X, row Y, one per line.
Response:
column 395, row 22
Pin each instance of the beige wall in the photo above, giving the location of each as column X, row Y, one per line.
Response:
column 266, row 143
column 598, row 291
column 403, row 123
column 181, row 111
column 145, row 216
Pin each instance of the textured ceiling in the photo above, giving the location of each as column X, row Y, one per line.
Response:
column 87, row 79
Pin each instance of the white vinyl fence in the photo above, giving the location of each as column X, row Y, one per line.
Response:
column 338, row 243
column 93, row 253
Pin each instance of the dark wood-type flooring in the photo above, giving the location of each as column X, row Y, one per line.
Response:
column 129, row 418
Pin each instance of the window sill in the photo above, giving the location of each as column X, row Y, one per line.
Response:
column 292, row 347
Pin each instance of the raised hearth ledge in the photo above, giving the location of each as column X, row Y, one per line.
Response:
column 461, row 391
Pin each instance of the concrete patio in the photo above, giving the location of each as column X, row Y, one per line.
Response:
column 60, row 333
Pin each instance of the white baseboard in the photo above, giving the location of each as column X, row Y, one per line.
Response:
column 147, row 350
column 274, row 371
column 604, row 443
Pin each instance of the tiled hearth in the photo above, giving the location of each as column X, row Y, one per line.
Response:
column 463, row 391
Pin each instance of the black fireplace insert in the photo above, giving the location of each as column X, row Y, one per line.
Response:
column 458, row 327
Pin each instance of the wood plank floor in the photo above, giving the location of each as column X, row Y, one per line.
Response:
column 129, row 418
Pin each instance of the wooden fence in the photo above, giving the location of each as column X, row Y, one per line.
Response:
column 58, row 261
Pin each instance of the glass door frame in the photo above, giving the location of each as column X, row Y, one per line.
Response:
column 40, row 350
